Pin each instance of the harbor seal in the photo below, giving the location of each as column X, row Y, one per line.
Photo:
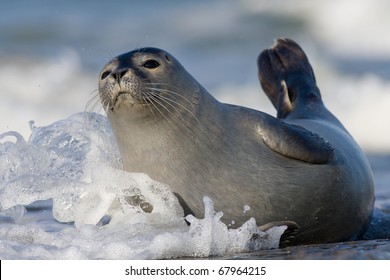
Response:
column 300, row 166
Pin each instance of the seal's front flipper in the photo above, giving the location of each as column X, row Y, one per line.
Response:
column 294, row 141
column 287, row 77
column 288, row 235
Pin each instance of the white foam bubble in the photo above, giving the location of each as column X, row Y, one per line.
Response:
column 246, row 208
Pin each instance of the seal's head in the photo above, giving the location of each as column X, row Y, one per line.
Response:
column 154, row 106
column 147, row 77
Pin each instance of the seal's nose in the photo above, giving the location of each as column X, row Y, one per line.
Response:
column 118, row 74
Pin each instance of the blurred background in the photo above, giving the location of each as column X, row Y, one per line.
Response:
column 51, row 53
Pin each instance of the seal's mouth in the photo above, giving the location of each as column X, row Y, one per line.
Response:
column 124, row 94
column 137, row 97
column 128, row 99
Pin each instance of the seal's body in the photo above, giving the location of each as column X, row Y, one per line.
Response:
column 302, row 166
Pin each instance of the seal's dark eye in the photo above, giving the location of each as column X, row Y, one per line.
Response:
column 151, row 64
column 105, row 75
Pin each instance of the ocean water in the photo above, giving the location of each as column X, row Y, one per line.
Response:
column 54, row 202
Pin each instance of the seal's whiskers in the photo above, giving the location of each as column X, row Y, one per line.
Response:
column 148, row 101
column 94, row 105
column 169, row 91
column 94, row 102
column 155, row 100
column 172, row 102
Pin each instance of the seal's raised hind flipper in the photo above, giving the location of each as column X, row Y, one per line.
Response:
column 288, row 80
column 287, row 77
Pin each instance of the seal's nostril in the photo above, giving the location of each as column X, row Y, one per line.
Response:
column 105, row 74
column 118, row 74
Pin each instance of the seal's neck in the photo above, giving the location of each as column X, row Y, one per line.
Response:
column 157, row 134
